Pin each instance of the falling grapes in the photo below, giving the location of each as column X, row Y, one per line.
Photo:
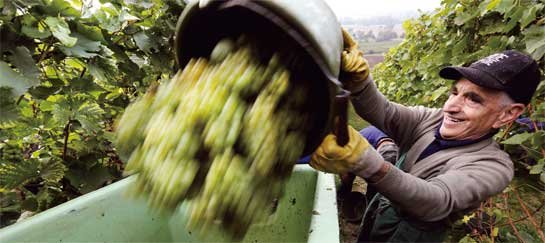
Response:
column 224, row 134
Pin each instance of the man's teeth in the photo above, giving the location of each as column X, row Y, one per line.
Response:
column 454, row 120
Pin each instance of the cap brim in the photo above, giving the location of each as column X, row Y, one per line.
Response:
column 476, row 76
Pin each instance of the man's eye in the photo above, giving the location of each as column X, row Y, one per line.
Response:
column 476, row 100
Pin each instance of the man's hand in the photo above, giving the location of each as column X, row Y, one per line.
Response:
column 357, row 156
column 354, row 67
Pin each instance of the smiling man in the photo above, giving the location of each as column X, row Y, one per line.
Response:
column 449, row 160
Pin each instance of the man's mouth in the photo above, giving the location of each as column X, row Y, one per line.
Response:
column 452, row 120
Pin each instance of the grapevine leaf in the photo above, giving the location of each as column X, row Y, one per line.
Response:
column 45, row 198
column 78, row 108
column 483, row 8
column 84, row 84
column 144, row 42
column 538, row 140
column 111, row 19
column 51, row 170
column 14, row 80
column 35, row 32
column 89, row 115
column 22, row 60
column 104, row 71
column 492, row 4
column 491, row 27
column 518, row 138
column 29, row 3
column 91, row 32
column 60, row 7
column 504, row 6
column 538, row 168
column 8, row 11
column 13, row 175
column 88, row 180
column 514, row 18
column 142, row 4
column 32, row 28
column 8, row 108
column 527, row 237
column 62, row 110
column 464, row 17
column 8, row 201
column 438, row 92
column 42, row 92
column 126, row 16
column 83, row 48
column 496, row 44
column 60, row 30
column 530, row 15
column 1, row 3
column 539, row 114
column 534, row 38
column 459, row 47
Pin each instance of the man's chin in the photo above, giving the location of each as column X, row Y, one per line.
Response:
column 446, row 133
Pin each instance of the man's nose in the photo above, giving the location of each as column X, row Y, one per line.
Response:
column 454, row 103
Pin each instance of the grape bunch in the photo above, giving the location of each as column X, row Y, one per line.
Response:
column 224, row 134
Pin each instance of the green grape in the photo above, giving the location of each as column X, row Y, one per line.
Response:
column 222, row 134
column 222, row 49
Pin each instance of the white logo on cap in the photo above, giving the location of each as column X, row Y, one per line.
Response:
column 489, row 60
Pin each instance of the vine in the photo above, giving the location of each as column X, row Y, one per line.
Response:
column 68, row 68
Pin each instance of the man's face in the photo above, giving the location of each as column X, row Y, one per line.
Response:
column 470, row 112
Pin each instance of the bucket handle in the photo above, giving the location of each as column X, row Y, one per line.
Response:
column 341, row 118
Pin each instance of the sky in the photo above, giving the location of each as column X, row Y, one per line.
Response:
column 367, row 8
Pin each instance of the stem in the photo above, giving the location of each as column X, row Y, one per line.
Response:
column 491, row 221
column 530, row 112
column 44, row 52
column 507, row 131
column 82, row 72
column 66, row 134
column 20, row 99
column 515, row 230
column 530, row 217
column 34, row 110
column 525, row 217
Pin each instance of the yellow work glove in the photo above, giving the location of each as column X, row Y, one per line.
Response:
column 354, row 67
column 357, row 156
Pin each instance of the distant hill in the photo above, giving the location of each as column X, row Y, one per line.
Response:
column 373, row 60
column 379, row 20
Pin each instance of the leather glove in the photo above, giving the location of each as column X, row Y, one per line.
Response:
column 357, row 156
column 354, row 67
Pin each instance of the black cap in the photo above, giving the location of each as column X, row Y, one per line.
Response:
column 511, row 71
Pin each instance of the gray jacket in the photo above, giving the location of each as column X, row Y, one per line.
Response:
column 446, row 182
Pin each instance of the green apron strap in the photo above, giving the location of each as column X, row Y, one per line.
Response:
column 401, row 160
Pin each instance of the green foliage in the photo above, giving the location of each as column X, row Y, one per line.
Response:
column 68, row 68
column 459, row 33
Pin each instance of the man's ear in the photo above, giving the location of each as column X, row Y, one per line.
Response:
column 509, row 114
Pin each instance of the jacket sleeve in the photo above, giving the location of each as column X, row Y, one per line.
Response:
column 457, row 189
column 397, row 121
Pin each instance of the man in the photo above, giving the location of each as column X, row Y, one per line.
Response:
column 449, row 161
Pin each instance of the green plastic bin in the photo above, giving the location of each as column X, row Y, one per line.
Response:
column 306, row 213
